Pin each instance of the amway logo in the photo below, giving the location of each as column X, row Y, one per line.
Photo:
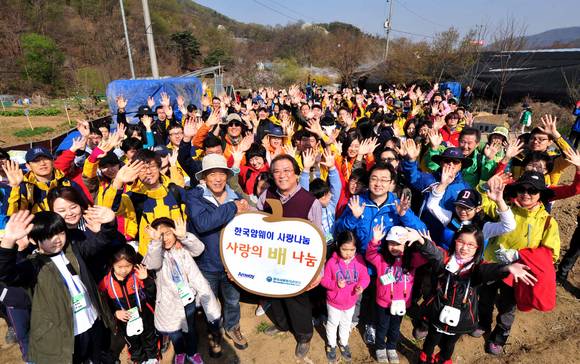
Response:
column 245, row 275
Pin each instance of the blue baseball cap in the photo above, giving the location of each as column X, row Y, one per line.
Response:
column 36, row 152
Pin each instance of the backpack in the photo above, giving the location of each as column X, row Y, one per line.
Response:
column 138, row 200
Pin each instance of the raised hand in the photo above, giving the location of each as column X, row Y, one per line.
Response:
column 435, row 138
column 100, row 214
column 13, row 173
column 308, row 159
column 121, row 103
column 129, row 172
column 83, row 128
column 153, row 233
column 514, row 148
column 496, row 187
column 521, row 273
column 491, row 150
column 180, row 229
column 412, row 150
column 426, row 235
column 180, row 102
column 246, row 142
column 173, row 157
column 78, row 143
column 121, row 129
column 141, row 271
column 17, row 227
column 403, row 205
column 150, row 102
column 368, row 146
column 413, row 236
column 379, row 232
column 189, row 130
column 314, row 126
column 165, row 100
column 356, row 207
column 572, row 156
column 327, row 159
column 213, row 119
column 549, row 126
column 290, row 150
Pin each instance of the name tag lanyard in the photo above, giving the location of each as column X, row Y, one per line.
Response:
column 466, row 290
column 136, row 288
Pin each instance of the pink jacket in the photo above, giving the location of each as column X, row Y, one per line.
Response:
column 355, row 274
column 401, row 288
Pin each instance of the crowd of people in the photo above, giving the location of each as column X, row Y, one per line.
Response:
column 114, row 242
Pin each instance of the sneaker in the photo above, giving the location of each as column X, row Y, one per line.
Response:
column 10, row 337
column 151, row 361
column 214, row 344
column 239, row 340
column 477, row 332
column 393, row 356
column 179, row 359
column 494, row 349
column 382, row 356
column 369, row 334
column 345, row 352
column 260, row 311
column 331, row 354
column 272, row 331
column 196, row 359
column 301, row 350
column 419, row 334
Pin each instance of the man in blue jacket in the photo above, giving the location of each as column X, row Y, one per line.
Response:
column 425, row 181
column 211, row 206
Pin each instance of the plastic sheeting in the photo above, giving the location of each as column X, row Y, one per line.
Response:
column 454, row 87
column 137, row 91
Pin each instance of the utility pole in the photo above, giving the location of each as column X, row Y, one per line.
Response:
column 150, row 42
column 388, row 28
column 127, row 39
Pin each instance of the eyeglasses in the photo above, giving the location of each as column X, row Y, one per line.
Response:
column 467, row 245
column 380, row 180
column 235, row 124
column 391, row 159
column 176, row 133
column 528, row 190
column 452, row 161
column 539, row 139
column 285, row 172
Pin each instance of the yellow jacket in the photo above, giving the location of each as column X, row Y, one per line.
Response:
column 532, row 230
column 31, row 194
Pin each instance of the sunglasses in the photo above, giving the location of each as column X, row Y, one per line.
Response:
column 235, row 123
column 528, row 190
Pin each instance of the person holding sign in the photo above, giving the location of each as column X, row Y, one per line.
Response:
column 67, row 312
column 292, row 312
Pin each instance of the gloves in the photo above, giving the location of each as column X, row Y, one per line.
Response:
column 507, row 256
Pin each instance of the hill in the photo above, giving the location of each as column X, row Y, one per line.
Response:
column 555, row 38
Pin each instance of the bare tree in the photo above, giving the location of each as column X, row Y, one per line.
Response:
column 348, row 55
column 508, row 38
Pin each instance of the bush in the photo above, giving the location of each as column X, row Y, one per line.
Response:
column 24, row 133
column 42, row 60
column 33, row 112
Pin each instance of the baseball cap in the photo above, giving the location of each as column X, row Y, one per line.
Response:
column 36, row 152
column 397, row 234
column 469, row 198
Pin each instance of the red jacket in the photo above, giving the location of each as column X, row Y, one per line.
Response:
column 542, row 295
column 64, row 162
column 248, row 176
column 450, row 137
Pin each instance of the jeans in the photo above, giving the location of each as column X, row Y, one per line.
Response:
column 219, row 282
column 340, row 319
column 185, row 342
column 388, row 327
column 20, row 322
column 293, row 313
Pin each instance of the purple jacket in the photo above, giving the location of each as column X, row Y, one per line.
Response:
column 401, row 288
column 355, row 274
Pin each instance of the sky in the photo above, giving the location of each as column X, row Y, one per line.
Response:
column 423, row 18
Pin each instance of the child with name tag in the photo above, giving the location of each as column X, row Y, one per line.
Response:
column 452, row 307
column 345, row 278
column 181, row 287
column 395, row 275
column 131, row 293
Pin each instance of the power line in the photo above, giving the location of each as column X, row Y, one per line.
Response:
column 277, row 11
column 292, row 10
column 416, row 34
column 419, row 15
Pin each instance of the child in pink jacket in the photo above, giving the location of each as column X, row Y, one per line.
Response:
column 345, row 278
column 395, row 274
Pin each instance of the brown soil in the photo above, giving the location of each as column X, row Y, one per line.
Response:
column 9, row 125
column 536, row 337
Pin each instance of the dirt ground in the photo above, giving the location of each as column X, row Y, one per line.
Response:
column 9, row 125
column 536, row 337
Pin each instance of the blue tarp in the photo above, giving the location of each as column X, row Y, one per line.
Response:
column 455, row 88
column 137, row 91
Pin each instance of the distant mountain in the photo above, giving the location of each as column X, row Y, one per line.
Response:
column 555, row 38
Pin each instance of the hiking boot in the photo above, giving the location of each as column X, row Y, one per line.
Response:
column 301, row 350
column 494, row 349
column 345, row 352
column 165, row 343
column 419, row 334
column 331, row 354
column 10, row 337
column 196, row 359
column 369, row 335
column 239, row 340
column 477, row 332
column 424, row 358
column 214, row 345
column 382, row 356
column 393, row 356
column 179, row 359
column 272, row 331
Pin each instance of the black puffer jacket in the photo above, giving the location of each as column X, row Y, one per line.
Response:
column 458, row 290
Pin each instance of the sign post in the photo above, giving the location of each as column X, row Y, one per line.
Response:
column 272, row 256
column 27, row 113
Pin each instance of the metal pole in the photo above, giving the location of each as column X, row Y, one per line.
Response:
column 127, row 39
column 150, row 42
column 388, row 28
